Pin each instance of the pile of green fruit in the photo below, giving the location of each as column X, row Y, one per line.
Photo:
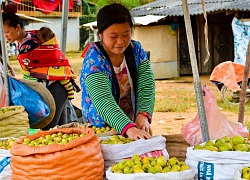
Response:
column 245, row 173
column 149, row 165
column 7, row 144
column 116, row 139
column 99, row 130
column 55, row 138
column 236, row 143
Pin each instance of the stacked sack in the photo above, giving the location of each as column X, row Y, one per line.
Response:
column 14, row 122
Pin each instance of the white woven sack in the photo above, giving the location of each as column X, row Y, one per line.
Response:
column 183, row 175
column 141, row 146
column 215, row 165
column 114, row 153
column 5, row 159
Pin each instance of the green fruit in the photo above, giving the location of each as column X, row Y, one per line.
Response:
column 241, row 147
column 161, row 161
column 238, row 140
column 175, row 168
column 219, row 142
column 209, row 143
column 152, row 170
column 128, row 170
column 198, row 147
column 173, row 161
column 226, row 147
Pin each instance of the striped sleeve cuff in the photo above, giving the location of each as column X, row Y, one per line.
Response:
column 129, row 125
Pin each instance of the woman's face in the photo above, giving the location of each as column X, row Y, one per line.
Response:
column 116, row 38
column 11, row 34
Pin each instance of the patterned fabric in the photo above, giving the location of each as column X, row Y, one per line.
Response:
column 123, row 77
column 241, row 33
column 45, row 61
column 98, row 100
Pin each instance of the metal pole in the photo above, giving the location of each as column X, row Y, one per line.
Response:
column 244, row 87
column 65, row 13
column 4, row 57
column 197, row 83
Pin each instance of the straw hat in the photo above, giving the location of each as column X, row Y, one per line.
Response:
column 46, row 97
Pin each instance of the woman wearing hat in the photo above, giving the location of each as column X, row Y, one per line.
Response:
column 117, row 80
column 14, row 31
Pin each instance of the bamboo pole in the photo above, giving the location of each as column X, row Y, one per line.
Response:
column 197, row 83
column 243, row 87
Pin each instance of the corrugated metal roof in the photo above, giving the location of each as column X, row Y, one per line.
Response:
column 174, row 7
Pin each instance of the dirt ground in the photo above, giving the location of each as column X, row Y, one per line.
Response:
column 167, row 123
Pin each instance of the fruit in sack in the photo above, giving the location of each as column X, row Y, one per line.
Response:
column 236, row 143
column 55, row 138
column 149, row 165
column 7, row 144
column 115, row 139
column 245, row 173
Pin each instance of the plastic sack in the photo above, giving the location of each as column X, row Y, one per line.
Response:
column 14, row 122
column 183, row 175
column 215, row 165
column 114, row 153
column 218, row 125
column 79, row 159
column 238, row 172
column 20, row 94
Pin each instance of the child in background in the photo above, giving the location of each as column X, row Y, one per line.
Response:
column 44, row 34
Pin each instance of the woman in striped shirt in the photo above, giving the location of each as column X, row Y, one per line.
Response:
column 117, row 81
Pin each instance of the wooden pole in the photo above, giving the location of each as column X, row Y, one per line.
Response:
column 197, row 83
column 243, row 87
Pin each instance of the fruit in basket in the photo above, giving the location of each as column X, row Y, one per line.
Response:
column 7, row 144
column 115, row 139
column 245, row 173
column 55, row 138
column 149, row 165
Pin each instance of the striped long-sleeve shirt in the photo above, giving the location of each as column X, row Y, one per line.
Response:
column 98, row 103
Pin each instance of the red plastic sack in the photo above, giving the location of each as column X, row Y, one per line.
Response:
column 218, row 125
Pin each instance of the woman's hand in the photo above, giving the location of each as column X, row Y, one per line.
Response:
column 134, row 133
column 143, row 124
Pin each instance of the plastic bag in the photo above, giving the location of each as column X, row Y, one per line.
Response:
column 218, row 125
column 20, row 94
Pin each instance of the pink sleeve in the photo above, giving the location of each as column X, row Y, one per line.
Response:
column 129, row 125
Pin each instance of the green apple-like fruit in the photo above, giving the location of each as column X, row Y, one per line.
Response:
column 152, row 170
column 173, row 161
column 209, row 143
column 226, row 147
column 161, row 161
column 219, row 142
column 198, row 147
column 238, row 140
column 241, row 147
column 175, row 168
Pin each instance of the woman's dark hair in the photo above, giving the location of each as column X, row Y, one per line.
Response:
column 113, row 14
column 12, row 20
